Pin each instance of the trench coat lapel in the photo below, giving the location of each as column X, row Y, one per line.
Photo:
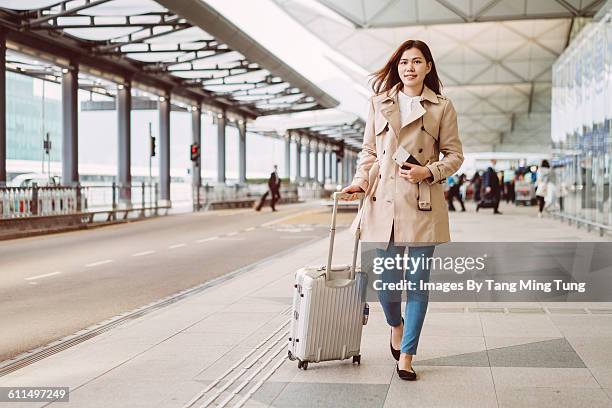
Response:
column 391, row 112
column 417, row 112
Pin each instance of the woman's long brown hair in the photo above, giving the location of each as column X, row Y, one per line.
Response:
column 387, row 77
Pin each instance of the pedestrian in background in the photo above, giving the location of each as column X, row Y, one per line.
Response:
column 509, row 185
column 561, row 193
column 274, row 183
column 476, row 186
column 491, row 189
column 454, row 192
column 502, row 187
column 542, row 180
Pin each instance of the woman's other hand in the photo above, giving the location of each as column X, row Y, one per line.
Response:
column 353, row 190
column 415, row 174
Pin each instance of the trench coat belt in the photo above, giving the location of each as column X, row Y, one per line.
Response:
column 424, row 196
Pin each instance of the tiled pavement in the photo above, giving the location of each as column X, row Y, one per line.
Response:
column 226, row 345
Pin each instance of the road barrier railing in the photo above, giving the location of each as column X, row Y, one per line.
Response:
column 33, row 210
column 24, row 202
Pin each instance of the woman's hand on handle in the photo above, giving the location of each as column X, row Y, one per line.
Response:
column 353, row 190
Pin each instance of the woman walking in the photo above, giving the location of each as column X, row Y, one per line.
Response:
column 542, row 181
column 405, row 206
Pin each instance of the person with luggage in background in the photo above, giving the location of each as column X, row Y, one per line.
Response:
column 455, row 192
column 274, row 183
column 492, row 189
column 409, row 124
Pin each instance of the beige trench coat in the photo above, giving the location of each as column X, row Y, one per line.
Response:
column 392, row 201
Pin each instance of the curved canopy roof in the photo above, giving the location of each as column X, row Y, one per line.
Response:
column 494, row 56
column 348, row 133
column 162, row 45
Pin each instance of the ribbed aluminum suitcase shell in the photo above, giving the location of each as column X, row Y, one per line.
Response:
column 327, row 320
column 328, row 310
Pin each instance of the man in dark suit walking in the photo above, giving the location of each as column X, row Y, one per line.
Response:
column 274, row 183
column 455, row 192
column 492, row 189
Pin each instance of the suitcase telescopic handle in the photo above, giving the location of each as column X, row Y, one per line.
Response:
column 332, row 233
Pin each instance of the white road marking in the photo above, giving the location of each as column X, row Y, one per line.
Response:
column 177, row 246
column 143, row 253
column 249, row 229
column 33, row 283
column 231, row 234
column 46, row 275
column 231, row 239
column 199, row 241
column 104, row 262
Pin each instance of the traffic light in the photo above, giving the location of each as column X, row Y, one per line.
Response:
column 195, row 151
column 47, row 144
column 152, row 146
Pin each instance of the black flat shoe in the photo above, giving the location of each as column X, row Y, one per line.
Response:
column 395, row 353
column 405, row 374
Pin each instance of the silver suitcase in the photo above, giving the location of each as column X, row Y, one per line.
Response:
column 329, row 308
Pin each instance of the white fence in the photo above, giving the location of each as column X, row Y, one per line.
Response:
column 21, row 202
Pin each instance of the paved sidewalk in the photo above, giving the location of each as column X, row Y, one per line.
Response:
column 227, row 346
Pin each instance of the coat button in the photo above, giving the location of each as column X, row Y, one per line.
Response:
column 373, row 198
column 379, row 176
column 421, row 150
column 384, row 151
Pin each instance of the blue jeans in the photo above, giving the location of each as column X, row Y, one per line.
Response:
column 417, row 300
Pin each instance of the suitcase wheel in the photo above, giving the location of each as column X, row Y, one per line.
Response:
column 303, row 365
column 357, row 359
column 290, row 355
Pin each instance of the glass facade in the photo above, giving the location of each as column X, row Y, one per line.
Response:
column 31, row 112
column 581, row 128
column 34, row 107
